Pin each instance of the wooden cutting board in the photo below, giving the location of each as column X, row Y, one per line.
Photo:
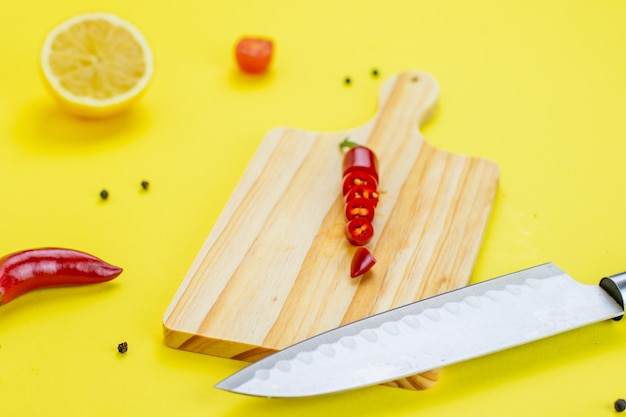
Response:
column 274, row 269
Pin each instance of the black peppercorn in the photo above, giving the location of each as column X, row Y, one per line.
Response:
column 347, row 80
column 145, row 184
column 375, row 72
column 620, row 405
column 122, row 347
column 104, row 194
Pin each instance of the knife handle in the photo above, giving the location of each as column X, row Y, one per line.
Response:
column 615, row 286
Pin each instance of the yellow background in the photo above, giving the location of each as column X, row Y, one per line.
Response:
column 539, row 87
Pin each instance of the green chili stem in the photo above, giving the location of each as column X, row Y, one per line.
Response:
column 347, row 144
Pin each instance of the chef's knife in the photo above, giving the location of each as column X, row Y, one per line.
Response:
column 452, row 327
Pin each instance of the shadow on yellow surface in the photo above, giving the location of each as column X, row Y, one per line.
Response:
column 43, row 127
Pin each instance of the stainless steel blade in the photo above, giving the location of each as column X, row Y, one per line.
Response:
column 467, row 323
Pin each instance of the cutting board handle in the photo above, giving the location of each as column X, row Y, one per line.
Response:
column 411, row 97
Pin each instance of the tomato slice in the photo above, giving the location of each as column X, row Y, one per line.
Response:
column 362, row 261
column 254, row 54
column 359, row 231
column 360, row 207
column 362, row 191
column 360, row 158
column 358, row 178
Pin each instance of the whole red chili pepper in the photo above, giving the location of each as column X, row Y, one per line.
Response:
column 27, row 270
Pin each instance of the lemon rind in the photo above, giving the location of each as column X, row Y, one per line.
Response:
column 90, row 102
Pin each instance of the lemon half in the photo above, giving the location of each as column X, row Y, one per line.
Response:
column 96, row 64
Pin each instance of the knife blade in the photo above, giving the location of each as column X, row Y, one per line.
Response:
column 466, row 323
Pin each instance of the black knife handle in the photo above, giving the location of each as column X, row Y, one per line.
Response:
column 615, row 286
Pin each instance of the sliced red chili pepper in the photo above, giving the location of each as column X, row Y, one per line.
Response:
column 361, row 191
column 359, row 231
column 360, row 207
column 362, row 159
column 355, row 178
column 362, row 261
column 23, row 271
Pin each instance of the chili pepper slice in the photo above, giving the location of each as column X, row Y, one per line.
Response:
column 361, row 191
column 355, row 178
column 359, row 231
column 27, row 270
column 361, row 159
column 362, row 261
column 360, row 207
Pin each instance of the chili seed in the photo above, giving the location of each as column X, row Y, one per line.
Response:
column 620, row 405
column 145, row 184
column 122, row 347
column 104, row 194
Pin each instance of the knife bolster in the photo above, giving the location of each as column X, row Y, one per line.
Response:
column 615, row 286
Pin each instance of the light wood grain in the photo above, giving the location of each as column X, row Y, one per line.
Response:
column 274, row 269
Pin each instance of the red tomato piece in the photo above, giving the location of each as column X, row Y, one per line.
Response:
column 254, row 54
column 360, row 158
column 359, row 231
column 358, row 178
column 362, row 261
column 360, row 207
column 362, row 191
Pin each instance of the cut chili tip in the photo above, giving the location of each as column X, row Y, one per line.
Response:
column 362, row 261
